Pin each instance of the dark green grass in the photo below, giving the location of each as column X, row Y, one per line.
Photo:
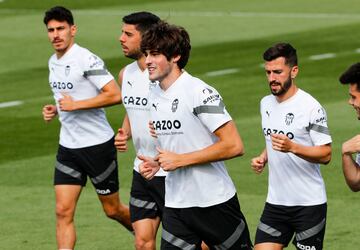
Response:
column 78, row 4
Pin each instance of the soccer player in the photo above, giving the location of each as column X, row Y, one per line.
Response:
column 350, row 166
column 297, row 141
column 195, row 134
column 81, row 86
column 147, row 197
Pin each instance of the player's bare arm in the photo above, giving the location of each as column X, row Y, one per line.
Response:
column 258, row 163
column 49, row 112
column 229, row 145
column 315, row 154
column 350, row 167
column 110, row 95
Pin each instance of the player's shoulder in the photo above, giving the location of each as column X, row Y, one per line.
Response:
column 131, row 68
column 196, row 84
column 267, row 99
column 52, row 58
column 307, row 99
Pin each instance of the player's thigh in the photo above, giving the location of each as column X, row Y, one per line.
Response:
column 310, row 227
column 66, row 199
column 146, row 229
column 274, row 226
column 269, row 246
column 100, row 164
column 227, row 228
column 68, row 171
column 175, row 233
column 146, row 198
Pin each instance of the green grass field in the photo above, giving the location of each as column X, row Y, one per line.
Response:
column 227, row 34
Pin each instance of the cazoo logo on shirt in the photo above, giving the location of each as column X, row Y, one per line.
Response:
column 166, row 125
column 61, row 85
column 269, row 131
column 135, row 100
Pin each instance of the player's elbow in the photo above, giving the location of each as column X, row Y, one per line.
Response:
column 115, row 98
column 327, row 158
column 354, row 186
column 236, row 149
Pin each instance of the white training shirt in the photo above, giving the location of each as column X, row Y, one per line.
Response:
column 80, row 74
column 135, row 90
column 294, row 181
column 184, row 117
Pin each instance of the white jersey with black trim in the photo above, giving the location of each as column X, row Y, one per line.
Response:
column 185, row 117
column 294, row 181
column 135, row 89
column 80, row 74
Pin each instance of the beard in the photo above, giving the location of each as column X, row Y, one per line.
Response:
column 136, row 54
column 283, row 88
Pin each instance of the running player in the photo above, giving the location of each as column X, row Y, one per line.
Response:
column 81, row 86
column 350, row 166
column 147, row 197
column 297, row 141
column 195, row 134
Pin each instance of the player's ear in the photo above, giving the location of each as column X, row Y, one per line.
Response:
column 176, row 58
column 294, row 71
column 73, row 30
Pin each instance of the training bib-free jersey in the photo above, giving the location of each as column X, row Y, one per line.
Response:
column 294, row 181
column 184, row 117
column 135, row 90
column 80, row 74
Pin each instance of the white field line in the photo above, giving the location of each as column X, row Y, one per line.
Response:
column 222, row 72
column 10, row 104
column 357, row 51
column 322, row 56
column 108, row 12
column 232, row 14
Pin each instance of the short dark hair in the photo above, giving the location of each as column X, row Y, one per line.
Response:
column 351, row 76
column 142, row 20
column 282, row 50
column 169, row 40
column 59, row 13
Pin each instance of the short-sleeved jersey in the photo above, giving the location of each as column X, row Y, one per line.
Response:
column 80, row 74
column 185, row 117
column 294, row 181
column 135, row 90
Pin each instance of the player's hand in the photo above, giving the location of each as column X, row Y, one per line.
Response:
column 281, row 143
column 152, row 129
column 351, row 146
column 149, row 167
column 49, row 112
column 121, row 140
column 258, row 164
column 66, row 103
column 168, row 161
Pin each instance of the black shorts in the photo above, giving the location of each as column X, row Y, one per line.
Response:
column 222, row 226
column 147, row 197
column 278, row 224
column 99, row 162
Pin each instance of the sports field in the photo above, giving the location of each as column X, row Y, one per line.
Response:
column 228, row 38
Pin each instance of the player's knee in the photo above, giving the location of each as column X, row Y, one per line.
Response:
column 144, row 244
column 64, row 212
column 112, row 212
